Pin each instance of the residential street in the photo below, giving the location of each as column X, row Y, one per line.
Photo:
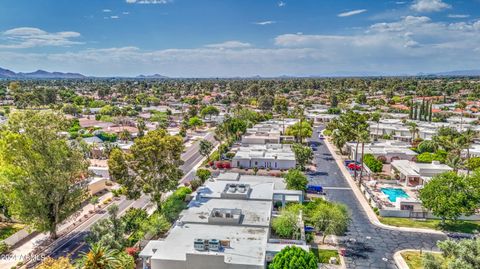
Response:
column 368, row 246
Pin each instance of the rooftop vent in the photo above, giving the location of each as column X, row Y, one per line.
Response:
column 225, row 216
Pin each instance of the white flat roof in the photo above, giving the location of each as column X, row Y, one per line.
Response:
column 259, row 190
column 255, row 213
column 247, row 244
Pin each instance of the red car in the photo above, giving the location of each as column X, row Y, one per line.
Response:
column 353, row 166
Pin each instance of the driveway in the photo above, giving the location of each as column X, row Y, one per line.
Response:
column 367, row 246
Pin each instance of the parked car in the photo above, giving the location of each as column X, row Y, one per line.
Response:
column 353, row 166
column 315, row 189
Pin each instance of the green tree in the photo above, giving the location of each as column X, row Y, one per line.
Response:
column 303, row 155
column 152, row 166
column 372, row 163
column 296, row 180
column 209, row 111
column 141, row 126
column 413, row 128
column 292, row 257
column 109, row 232
column 42, row 178
column 286, row 224
column 99, row 257
column 427, row 146
column 94, row 200
column 195, row 122
column 203, row 174
column 449, row 195
column 280, row 105
column 265, row 102
column 330, row 219
column 117, row 165
column 347, row 128
column 462, row 254
column 300, row 130
column 205, row 148
column 60, row 263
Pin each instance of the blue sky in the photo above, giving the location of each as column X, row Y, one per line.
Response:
column 222, row 38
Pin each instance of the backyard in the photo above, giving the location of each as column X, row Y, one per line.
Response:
column 458, row 226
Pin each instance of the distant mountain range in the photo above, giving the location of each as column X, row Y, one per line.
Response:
column 457, row 73
column 157, row 76
column 39, row 74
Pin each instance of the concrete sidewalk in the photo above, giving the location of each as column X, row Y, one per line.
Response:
column 364, row 203
column 26, row 248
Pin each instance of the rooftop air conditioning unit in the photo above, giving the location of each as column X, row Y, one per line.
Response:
column 214, row 245
column 199, row 244
column 241, row 188
column 232, row 188
column 228, row 214
column 217, row 213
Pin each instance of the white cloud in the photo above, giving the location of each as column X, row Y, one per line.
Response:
column 125, row 13
column 407, row 46
column 400, row 2
column 107, row 10
column 264, row 22
column 351, row 13
column 282, row 4
column 458, row 16
column 114, row 17
column 29, row 37
column 429, row 5
column 148, row 1
column 229, row 45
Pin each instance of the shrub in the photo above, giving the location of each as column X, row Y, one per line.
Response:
column 426, row 146
column 372, row 163
column 203, row 174
column 285, row 225
column 194, row 184
column 3, row 247
column 294, row 257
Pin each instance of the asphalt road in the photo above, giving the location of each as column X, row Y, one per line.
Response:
column 367, row 246
column 75, row 242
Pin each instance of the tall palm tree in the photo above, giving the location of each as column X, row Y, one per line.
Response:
column 413, row 128
column 468, row 137
column 99, row 257
column 454, row 161
column 364, row 137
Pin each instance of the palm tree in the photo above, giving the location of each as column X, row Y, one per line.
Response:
column 413, row 128
column 461, row 105
column 454, row 161
column 468, row 137
column 364, row 137
column 99, row 257
column 376, row 118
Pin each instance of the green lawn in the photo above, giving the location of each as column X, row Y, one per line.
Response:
column 414, row 259
column 7, row 229
column 459, row 226
column 324, row 255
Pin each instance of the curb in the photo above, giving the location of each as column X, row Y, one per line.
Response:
column 364, row 203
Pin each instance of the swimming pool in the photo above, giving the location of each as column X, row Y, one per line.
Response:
column 394, row 193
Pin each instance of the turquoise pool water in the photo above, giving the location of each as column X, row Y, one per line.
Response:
column 394, row 193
